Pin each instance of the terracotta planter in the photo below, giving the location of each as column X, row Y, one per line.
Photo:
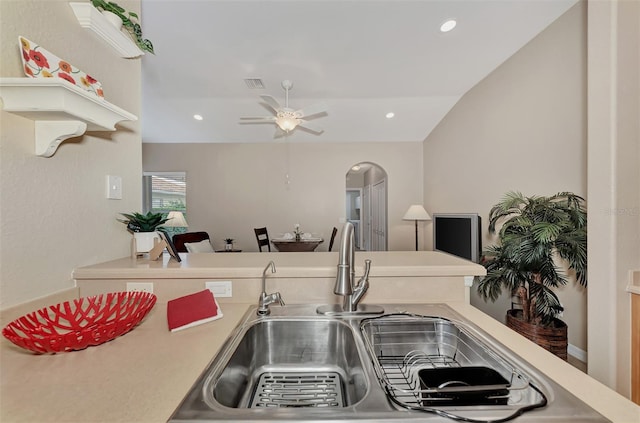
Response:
column 552, row 338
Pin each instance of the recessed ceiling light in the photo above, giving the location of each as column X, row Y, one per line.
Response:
column 198, row 117
column 448, row 25
column 389, row 115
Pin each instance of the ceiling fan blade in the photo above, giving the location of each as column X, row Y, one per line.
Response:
column 259, row 119
column 314, row 109
column 311, row 127
column 272, row 102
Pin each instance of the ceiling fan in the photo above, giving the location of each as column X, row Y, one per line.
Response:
column 286, row 118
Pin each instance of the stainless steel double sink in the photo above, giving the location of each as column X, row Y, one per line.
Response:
column 295, row 365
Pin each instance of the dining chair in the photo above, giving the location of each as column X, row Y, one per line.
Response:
column 333, row 237
column 263, row 238
column 180, row 239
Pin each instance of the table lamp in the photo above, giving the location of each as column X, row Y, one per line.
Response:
column 176, row 220
column 416, row 212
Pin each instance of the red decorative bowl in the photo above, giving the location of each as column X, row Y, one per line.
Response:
column 78, row 324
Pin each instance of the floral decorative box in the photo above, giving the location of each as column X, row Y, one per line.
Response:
column 40, row 63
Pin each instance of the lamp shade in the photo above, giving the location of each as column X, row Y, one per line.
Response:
column 416, row 212
column 176, row 220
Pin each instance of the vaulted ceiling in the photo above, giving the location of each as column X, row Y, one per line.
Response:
column 362, row 58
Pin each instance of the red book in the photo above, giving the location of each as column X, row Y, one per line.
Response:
column 192, row 310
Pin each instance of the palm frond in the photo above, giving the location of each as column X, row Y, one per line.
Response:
column 547, row 303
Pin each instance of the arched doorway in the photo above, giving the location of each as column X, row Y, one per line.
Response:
column 366, row 205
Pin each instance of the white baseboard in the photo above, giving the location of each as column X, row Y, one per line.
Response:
column 576, row 352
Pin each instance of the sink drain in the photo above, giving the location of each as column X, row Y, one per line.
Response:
column 285, row 389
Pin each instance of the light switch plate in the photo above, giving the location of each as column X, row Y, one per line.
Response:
column 114, row 187
column 220, row 288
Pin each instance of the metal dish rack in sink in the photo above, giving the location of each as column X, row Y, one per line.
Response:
column 435, row 365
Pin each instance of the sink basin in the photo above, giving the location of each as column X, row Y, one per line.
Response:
column 292, row 363
column 295, row 365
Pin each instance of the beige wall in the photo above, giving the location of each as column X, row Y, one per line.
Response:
column 233, row 188
column 54, row 214
column 522, row 128
column 614, row 185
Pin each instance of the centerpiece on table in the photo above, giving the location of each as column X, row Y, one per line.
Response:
column 297, row 232
column 228, row 244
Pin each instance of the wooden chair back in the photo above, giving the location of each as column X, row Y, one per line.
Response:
column 333, row 237
column 180, row 239
column 262, row 236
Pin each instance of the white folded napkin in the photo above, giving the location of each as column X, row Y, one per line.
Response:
column 306, row 235
column 288, row 235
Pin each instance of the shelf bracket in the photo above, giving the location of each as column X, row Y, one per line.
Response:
column 50, row 134
column 60, row 110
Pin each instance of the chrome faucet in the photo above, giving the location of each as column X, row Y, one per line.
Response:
column 266, row 299
column 347, row 273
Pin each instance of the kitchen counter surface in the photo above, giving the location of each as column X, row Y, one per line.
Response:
column 293, row 264
column 143, row 375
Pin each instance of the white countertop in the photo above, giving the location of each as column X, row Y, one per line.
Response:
column 307, row 264
column 143, row 375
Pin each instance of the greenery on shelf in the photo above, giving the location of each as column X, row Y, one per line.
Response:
column 535, row 231
column 129, row 21
column 137, row 222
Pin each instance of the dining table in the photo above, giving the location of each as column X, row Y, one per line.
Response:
column 292, row 244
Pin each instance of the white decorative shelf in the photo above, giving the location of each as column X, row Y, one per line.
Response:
column 60, row 110
column 89, row 17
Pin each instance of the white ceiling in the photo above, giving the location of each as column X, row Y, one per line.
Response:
column 362, row 58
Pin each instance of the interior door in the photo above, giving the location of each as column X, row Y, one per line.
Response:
column 366, row 218
column 379, row 216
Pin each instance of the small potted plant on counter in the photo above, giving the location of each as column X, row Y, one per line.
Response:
column 536, row 232
column 144, row 228
column 129, row 21
column 228, row 244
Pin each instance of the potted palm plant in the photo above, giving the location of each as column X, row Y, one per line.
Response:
column 144, row 228
column 537, row 235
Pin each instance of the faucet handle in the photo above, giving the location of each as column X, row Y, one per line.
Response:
column 277, row 297
column 367, row 267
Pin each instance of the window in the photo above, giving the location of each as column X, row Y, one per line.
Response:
column 164, row 192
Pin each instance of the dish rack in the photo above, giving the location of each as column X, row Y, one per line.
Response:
column 409, row 348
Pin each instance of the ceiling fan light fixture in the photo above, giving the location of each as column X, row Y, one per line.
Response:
column 287, row 124
column 287, row 120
